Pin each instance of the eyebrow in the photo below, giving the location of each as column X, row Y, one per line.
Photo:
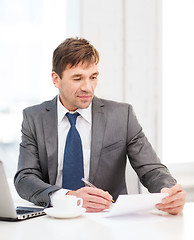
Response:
column 79, row 75
column 76, row 75
column 96, row 73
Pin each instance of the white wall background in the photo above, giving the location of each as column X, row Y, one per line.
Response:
column 125, row 34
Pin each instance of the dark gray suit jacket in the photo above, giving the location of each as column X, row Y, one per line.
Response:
column 116, row 133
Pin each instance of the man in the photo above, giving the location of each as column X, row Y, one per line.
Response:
column 106, row 132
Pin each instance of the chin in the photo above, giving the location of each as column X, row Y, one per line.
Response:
column 84, row 103
column 82, row 106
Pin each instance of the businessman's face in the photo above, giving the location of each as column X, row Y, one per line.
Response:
column 77, row 85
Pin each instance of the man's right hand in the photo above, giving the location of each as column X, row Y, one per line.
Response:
column 94, row 199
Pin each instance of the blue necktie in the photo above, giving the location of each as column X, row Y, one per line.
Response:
column 73, row 169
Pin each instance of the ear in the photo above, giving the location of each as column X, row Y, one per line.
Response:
column 56, row 79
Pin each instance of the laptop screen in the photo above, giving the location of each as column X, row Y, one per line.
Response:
column 7, row 207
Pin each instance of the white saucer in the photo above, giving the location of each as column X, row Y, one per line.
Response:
column 58, row 214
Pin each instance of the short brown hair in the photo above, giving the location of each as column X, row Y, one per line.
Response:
column 73, row 51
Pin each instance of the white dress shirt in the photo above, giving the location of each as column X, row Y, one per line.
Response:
column 83, row 125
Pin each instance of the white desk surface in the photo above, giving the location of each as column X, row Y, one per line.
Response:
column 137, row 226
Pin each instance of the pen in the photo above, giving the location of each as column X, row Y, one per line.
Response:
column 91, row 185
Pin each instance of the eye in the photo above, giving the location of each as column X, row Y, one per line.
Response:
column 77, row 79
column 94, row 77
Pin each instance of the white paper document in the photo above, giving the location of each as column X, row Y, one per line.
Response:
column 127, row 204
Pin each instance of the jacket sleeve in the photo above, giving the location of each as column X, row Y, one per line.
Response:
column 29, row 180
column 151, row 172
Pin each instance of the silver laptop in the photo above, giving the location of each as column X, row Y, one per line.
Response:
column 8, row 211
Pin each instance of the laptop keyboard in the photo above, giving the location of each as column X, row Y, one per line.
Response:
column 26, row 210
column 19, row 211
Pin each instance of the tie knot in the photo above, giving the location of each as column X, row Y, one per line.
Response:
column 72, row 118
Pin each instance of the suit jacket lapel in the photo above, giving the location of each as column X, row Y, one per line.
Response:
column 51, row 138
column 98, row 129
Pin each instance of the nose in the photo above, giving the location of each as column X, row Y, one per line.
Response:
column 86, row 85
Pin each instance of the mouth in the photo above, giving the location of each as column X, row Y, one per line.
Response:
column 84, row 97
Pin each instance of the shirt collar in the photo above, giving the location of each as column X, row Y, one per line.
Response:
column 86, row 113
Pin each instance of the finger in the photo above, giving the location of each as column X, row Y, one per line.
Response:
column 96, row 205
column 96, row 202
column 173, row 191
column 174, row 210
column 177, row 197
column 174, row 204
column 99, row 192
column 97, row 199
column 176, row 188
column 89, row 209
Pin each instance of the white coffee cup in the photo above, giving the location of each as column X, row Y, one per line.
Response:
column 67, row 203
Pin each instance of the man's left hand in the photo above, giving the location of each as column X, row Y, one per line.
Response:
column 174, row 203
